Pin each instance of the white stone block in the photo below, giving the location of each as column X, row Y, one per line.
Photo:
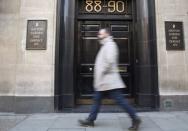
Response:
column 7, row 79
column 33, row 80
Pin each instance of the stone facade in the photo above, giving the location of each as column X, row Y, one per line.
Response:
column 27, row 76
column 172, row 65
column 25, row 73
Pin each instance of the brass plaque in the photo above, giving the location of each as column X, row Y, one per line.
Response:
column 36, row 35
column 174, row 35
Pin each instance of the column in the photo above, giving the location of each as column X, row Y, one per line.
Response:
column 146, row 63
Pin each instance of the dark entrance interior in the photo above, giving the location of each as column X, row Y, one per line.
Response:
column 87, row 48
column 76, row 46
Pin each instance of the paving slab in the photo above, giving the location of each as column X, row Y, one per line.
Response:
column 106, row 125
column 66, row 122
column 65, row 129
column 182, row 116
column 34, row 125
column 146, row 123
column 171, row 124
column 10, row 121
column 157, row 114
column 151, row 121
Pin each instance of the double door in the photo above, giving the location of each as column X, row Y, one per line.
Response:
column 88, row 46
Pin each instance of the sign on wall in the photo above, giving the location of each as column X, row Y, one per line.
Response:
column 104, row 6
column 174, row 35
column 36, row 35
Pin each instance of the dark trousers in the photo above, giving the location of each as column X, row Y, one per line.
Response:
column 115, row 94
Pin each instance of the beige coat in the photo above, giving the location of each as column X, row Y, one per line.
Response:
column 106, row 74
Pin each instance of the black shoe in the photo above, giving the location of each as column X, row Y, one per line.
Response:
column 135, row 124
column 86, row 123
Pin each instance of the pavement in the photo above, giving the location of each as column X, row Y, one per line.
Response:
column 152, row 121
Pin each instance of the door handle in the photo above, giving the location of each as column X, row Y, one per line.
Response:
column 90, row 69
column 136, row 61
column 123, row 69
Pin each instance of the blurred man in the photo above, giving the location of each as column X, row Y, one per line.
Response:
column 108, row 80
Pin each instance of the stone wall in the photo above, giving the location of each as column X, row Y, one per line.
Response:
column 173, row 65
column 25, row 73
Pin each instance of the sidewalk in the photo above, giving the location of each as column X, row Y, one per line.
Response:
column 152, row 121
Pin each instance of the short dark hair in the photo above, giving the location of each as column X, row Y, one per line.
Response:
column 107, row 30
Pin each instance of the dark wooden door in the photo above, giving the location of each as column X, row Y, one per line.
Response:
column 88, row 46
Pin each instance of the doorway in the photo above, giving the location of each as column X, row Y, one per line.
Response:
column 140, row 16
column 87, row 48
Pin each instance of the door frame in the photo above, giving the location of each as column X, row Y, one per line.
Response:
column 147, row 92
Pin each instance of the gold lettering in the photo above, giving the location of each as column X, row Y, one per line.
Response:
column 120, row 4
column 111, row 6
column 98, row 7
column 89, row 6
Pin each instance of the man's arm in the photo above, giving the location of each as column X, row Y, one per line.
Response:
column 111, row 54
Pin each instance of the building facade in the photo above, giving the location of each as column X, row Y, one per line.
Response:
column 48, row 47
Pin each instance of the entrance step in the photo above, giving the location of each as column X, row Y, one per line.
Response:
column 104, row 109
column 104, row 102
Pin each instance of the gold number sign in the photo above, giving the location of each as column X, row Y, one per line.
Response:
column 120, row 4
column 89, row 6
column 98, row 7
column 112, row 6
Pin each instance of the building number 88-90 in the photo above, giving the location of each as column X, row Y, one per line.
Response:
column 112, row 6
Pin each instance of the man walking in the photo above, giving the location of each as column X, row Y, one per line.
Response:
column 108, row 80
